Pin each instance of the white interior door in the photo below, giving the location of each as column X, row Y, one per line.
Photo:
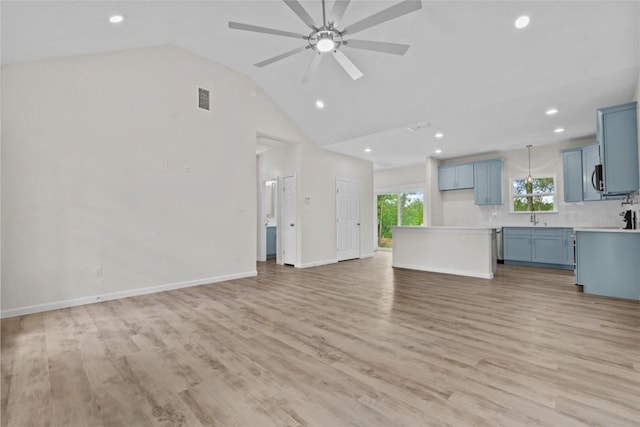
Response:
column 348, row 219
column 289, row 246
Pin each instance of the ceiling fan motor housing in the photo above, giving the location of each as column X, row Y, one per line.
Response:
column 325, row 39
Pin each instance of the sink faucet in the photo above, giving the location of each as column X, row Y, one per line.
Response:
column 533, row 218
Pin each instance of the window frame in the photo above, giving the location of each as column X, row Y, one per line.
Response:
column 513, row 196
column 399, row 213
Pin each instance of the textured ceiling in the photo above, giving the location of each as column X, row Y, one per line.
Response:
column 468, row 73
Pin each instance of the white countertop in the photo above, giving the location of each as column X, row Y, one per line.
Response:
column 490, row 228
column 605, row 230
column 451, row 230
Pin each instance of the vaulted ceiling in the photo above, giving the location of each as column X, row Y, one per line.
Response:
column 469, row 73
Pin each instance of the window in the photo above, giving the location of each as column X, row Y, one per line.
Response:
column 398, row 208
column 539, row 195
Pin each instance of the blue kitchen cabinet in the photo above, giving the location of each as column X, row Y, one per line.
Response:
column 517, row 244
column 538, row 246
column 568, row 238
column 578, row 165
column 547, row 245
column 488, row 182
column 572, row 174
column 455, row 177
column 608, row 263
column 590, row 158
column 617, row 134
column 447, row 178
column 271, row 242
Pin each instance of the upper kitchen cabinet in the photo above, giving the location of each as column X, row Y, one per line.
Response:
column 455, row 177
column 572, row 174
column 578, row 166
column 488, row 182
column 618, row 138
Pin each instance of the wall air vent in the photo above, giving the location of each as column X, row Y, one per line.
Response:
column 203, row 98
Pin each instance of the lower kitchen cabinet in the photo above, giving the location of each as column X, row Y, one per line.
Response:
column 545, row 246
column 607, row 263
column 271, row 242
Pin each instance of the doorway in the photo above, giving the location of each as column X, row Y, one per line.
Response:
column 347, row 219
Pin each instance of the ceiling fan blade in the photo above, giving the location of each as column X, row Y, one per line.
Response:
column 312, row 67
column 281, row 56
column 339, row 7
column 257, row 29
column 393, row 48
column 388, row 14
column 348, row 66
column 301, row 12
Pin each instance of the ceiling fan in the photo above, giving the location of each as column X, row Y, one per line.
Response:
column 327, row 37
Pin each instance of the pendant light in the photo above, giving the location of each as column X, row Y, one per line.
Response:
column 529, row 178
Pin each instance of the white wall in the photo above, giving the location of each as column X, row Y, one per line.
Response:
column 400, row 179
column 107, row 162
column 319, row 169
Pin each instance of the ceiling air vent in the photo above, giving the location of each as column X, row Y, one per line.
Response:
column 203, row 98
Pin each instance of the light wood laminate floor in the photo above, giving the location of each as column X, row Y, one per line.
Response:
column 356, row 343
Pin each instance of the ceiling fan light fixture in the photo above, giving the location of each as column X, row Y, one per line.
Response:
column 325, row 44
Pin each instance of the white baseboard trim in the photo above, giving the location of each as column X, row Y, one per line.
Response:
column 480, row 275
column 317, row 263
column 20, row 311
column 369, row 255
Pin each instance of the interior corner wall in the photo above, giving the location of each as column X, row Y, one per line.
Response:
column 433, row 198
column 115, row 182
column 317, row 203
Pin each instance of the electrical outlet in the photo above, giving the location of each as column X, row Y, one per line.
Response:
column 99, row 271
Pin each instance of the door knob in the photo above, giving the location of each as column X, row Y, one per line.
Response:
column 291, row 225
column 358, row 224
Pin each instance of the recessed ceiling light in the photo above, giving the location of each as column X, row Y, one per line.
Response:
column 438, row 151
column 551, row 111
column 439, row 135
column 367, row 150
column 116, row 19
column 522, row 22
column 558, row 130
column 319, row 104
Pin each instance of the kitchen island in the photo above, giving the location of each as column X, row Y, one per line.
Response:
column 608, row 262
column 465, row 251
